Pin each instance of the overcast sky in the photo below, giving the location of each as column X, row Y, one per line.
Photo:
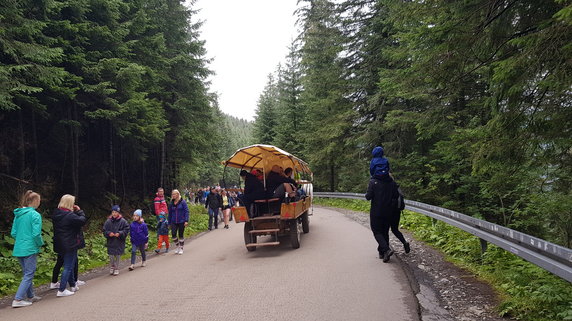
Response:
column 246, row 39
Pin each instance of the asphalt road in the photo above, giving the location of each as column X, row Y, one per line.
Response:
column 334, row 275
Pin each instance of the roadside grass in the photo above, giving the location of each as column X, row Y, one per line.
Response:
column 94, row 255
column 527, row 292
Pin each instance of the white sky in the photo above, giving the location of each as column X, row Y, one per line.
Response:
column 247, row 39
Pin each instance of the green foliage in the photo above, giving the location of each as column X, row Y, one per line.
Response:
column 527, row 291
column 471, row 106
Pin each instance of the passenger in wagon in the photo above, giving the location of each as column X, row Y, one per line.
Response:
column 277, row 184
column 253, row 189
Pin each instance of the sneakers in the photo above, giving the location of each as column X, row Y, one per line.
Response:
column 407, row 247
column 157, row 251
column 74, row 288
column 21, row 303
column 116, row 272
column 177, row 250
column 65, row 292
column 131, row 267
column 387, row 255
column 143, row 264
column 54, row 285
column 79, row 283
column 167, row 250
column 181, row 251
column 112, row 270
column 226, row 227
column 35, row 298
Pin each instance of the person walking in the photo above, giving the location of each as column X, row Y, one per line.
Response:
column 381, row 192
column 178, row 218
column 68, row 220
column 27, row 233
column 162, row 233
column 159, row 202
column 213, row 205
column 227, row 204
column 115, row 230
column 139, row 238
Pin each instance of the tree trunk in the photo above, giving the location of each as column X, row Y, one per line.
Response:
column 22, row 147
column 112, row 162
column 122, row 168
column 75, row 151
column 35, row 145
column 332, row 185
column 162, row 169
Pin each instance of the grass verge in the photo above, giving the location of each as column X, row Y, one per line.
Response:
column 527, row 291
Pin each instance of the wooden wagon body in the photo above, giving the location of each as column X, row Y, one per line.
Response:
column 273, row 218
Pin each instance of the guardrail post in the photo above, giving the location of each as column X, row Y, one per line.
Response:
column 484, row 245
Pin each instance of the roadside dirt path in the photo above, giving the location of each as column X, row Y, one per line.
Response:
column 334, row 275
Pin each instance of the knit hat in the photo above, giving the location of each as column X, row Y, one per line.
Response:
column 115, row 208
column 138, row 213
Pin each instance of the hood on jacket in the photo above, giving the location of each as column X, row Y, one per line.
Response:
column 23, row 211
column 377, row 152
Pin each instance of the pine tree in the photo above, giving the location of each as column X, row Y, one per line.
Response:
column 266, row 119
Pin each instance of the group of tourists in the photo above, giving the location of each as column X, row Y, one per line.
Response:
column 386, row 205
column 68, row 219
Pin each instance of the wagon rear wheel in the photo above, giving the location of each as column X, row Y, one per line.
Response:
column 305, row 222
column 294, row 234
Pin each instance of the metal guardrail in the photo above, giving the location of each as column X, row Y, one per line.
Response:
column 549, row 256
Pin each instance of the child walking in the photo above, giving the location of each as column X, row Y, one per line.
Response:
column 115, row 230
column 162, row 233
column 139, row 238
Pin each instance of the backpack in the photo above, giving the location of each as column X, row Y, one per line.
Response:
column 399, row 202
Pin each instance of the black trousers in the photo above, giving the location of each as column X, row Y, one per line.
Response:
column 380, row 228
column 180, row 229
column 58, row 267
column 394, row 224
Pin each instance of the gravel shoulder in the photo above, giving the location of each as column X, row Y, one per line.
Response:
column 444, row 290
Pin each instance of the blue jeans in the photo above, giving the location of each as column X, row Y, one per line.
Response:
column 213, row 217
column 68, row 274
column 26, row 288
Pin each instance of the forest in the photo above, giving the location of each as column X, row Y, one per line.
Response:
column 471, row 101
column 106, row 100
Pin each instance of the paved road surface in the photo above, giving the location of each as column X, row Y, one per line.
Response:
column 334, row 275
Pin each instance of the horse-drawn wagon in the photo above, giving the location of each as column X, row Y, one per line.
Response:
column 273, row 217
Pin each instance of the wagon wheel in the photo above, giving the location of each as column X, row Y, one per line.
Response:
column 249, row 238
column 294, row 234
column 305, row 222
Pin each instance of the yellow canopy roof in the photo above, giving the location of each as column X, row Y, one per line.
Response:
column 263, row 157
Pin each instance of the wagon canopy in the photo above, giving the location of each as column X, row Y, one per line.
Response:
column 263, row 157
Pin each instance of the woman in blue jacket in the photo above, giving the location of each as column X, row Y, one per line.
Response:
column 27, row 231
column 179, row 218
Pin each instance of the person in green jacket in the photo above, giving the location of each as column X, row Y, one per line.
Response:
column 27, row 231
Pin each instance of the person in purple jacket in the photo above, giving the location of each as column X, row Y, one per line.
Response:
column 139, row 238
column 178, row 218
